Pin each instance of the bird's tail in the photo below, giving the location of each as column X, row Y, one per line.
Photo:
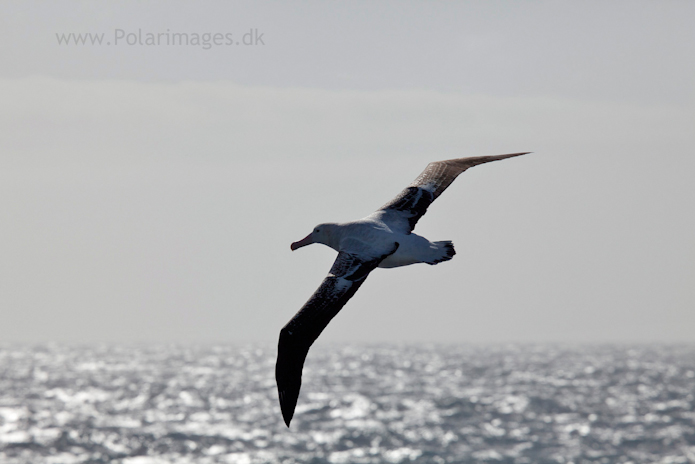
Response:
column 444, row 252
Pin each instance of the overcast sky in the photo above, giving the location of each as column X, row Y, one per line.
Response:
column 151, row 192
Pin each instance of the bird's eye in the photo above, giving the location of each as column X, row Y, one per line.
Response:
column 316, row 230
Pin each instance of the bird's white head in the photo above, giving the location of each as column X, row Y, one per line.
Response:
column 322, row 233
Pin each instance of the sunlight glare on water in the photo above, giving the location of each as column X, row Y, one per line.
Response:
column 359, row 404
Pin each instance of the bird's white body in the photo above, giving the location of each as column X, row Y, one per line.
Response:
column 374, row 235
column 415, row 249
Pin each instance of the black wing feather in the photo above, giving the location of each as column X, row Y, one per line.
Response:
column 345, row 277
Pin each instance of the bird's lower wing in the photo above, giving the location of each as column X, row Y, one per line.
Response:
column 406, row 209
column 349, row 271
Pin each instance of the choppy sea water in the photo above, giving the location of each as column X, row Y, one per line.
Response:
column 359, row 404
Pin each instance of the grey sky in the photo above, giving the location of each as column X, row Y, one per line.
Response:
column 150, row 193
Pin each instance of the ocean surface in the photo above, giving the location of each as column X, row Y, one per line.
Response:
column 359, row 404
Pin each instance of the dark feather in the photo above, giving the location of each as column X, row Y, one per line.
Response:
column 345, row 277
column 412, row 203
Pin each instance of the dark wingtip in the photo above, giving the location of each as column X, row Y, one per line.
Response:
column 510, row 155
column 465, row 163
column 287, row 412
column 286, row 407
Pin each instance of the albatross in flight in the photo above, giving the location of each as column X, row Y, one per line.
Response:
column 382, row 239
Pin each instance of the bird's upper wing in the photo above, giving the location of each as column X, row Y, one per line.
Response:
column 403, row 212
column 347, row 274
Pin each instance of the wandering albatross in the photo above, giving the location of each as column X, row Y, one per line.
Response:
column 382, row 239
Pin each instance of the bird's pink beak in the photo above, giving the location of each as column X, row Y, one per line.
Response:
column 308, row 240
